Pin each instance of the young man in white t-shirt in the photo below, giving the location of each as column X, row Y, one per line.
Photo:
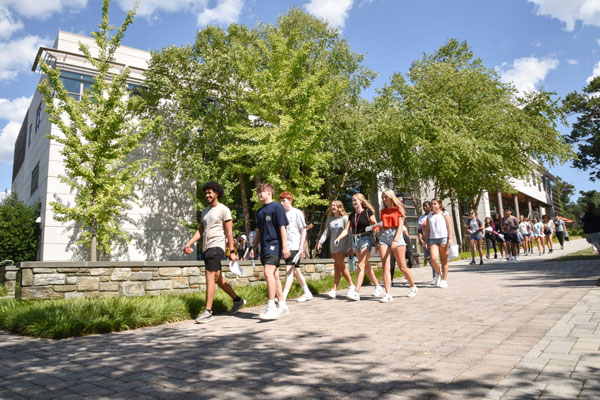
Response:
column 216, row 226
column 296, row 237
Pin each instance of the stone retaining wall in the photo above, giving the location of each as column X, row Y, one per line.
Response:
column 8, row 278
column 58, row 280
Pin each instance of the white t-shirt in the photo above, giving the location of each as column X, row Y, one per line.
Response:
column 214, row 232
column 437, row 225
column 294, row 229
column 524, row 228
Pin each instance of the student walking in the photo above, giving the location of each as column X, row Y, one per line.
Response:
column 475, row 228
column 591, row 226
column 538, row 235
column 525, row 231
column 359, row 220
column 271, row 234
column 438, row 236
column 500, row 235
column 335, row 224
column 490, row 237
column 510, row 228
column 421, row 236
column 391, row 240
column 296, row 238
column 560, row 230
column 215, row 227
column 548, row 232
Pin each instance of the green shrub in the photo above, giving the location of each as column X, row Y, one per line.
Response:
column 18, row 230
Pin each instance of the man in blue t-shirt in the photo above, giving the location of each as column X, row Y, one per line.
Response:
column 271, row 234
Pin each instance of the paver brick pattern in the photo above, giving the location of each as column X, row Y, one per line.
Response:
column 500, row 330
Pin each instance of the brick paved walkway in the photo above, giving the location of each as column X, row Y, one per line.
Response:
column 501, row 330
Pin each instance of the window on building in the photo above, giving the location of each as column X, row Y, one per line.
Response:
column 76, row 84
column 35, row 176
column 135, row 90
column 38, row 117
column 30, row 129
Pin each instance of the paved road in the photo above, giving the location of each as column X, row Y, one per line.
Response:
column 527, row 330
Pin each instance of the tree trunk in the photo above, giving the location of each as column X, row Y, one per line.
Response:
column 245, row 205
column 455, row 223
column 94, row 243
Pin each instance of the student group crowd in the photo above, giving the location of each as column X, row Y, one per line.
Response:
column 281, row 234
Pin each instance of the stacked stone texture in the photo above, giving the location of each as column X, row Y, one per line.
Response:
column 56, row 280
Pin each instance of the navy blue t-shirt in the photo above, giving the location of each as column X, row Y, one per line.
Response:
column 271, row 217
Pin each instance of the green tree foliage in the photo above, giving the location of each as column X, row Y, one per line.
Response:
column 459, row 128
column 245, row 105
column 98, row 134
column 18, row 230
column 586, row 131
column 565, row 191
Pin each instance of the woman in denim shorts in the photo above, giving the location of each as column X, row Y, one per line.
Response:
column 438, row 236
column 392, row 241
column 362, row 217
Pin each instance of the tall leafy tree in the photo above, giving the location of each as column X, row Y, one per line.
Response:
column 465, row 131
column 98, row 134
column 586, row 131
column 247, row 105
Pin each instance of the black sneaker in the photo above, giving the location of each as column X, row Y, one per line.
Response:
column 472, row 262
column 480, row 262
column 237, row 305
column 495, row 256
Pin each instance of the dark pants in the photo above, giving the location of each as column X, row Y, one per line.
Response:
column 561, row 238
column 490, row 238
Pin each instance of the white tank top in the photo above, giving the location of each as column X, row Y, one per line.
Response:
column 437, row 225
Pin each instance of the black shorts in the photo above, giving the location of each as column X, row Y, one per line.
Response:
column 511, row 237
column 212, row 258
column 269, row 259
column 288, row 261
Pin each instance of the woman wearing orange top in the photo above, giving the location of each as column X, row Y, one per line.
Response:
column 392, row 242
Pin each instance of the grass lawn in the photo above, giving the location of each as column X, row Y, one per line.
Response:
column 58, row 319
column 585, row 254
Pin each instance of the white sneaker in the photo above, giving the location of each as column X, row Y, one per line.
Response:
column 283, row 309
column 434, row 281
column 305, row 297
column 438, row 279
column 404, row 281
column 386, row 298
column 515, row 260
column 509, row 259
column 353, row 295
column 443, row 284
column 378, row 291
column 412, row 292
column 269, row 315
column 331, row 294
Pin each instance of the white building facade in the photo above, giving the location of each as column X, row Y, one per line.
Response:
column 155, row 226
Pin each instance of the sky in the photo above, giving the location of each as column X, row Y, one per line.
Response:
column 552, row 45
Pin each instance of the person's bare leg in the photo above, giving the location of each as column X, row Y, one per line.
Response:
column 210, row 288
column 386, row 254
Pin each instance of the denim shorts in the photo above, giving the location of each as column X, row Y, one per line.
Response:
column 476, row 236
column 438, row 241
column 362, row 242
column 386, row 236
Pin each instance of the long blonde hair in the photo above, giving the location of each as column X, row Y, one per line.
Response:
column 391, row 195
column 340, row 207
column 364, row 202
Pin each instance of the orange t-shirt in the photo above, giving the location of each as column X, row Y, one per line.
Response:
column 389, row 217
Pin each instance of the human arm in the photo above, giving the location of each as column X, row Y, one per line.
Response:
column 255, row 243
column 195, row 237
column 426, row 233
column 399, row 231
column 284, row 248
column 325, row 235
column 449, row 227
column 228, row 225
